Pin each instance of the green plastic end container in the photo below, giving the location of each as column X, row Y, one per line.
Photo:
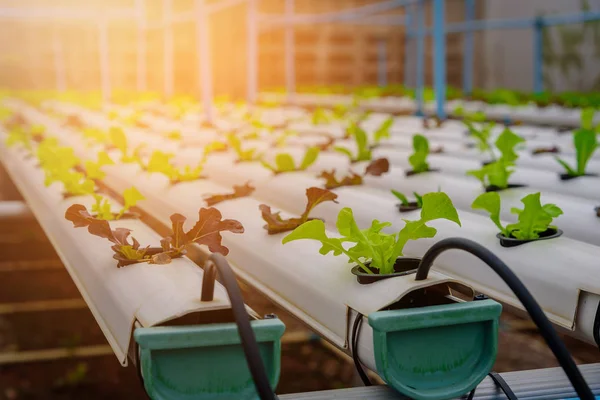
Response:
column 205, row 362
column 437, row 352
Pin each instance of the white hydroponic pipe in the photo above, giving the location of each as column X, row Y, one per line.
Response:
column 150, row 294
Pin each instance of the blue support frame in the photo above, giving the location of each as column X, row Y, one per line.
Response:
column 439, row 68
column 538, row 56
column 469, row 47
column 408, row 43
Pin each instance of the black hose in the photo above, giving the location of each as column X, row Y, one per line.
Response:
column 242, row 320
column 354, row 343
column 514, row 283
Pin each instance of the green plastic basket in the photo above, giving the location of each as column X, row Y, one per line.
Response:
column 437, row 352
column 205, row 362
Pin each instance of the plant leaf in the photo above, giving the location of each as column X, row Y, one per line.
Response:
column 533, row 218
column 238, row 191
column 421, row 150
column 490, row 202
column 586, row 142
column 284, row 162
column 344, row 151
column 567, row 167
column 587, row 118
column 316, row 196
column 309, row 157
column 276, row 224
column 384, row 130
column 506, row 143
column 400, row 197
column 207, row 231
column 378, row 167
column 331, row 182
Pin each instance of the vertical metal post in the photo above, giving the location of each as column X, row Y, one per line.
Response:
column 382, row 63
column 420, row 57
column 290, row 64
column 59, row 65
column 407, row 45
column 204, row 60
column 168, row 48
column 538, row 53
column 140, row 7
column 252, row 71
column 104, row 59
column 468, row 50
column 439, row 42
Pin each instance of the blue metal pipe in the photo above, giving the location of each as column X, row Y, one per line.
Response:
column 420, row 80
column 468, row 49
column 587, row 16
column 407, row 45
column 439, row 41
column 382, row 63
column 290, row 66
column 538, row 60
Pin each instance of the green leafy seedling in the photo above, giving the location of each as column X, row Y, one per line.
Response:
column 371, row 244
column 383, row 132
column 102, row 206
column 404, row 200
column 418, row 159
column 586, row 143
column 284, row 162
column 506, row 144
column 243, row 155
column 495, row 174
column 482, row 136
column 320, row 116
column 533, row 219
column 363, row 152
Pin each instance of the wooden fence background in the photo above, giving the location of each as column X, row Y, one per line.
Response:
column 326, row 54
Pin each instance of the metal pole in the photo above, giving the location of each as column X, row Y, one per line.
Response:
column 59, row 65
column 407, row 45
column 382, row 63
column 538, row 60
column 204, row 60
column 420, row 58
column 168, row 48
column 142, row 45
column 290, row 66
column 468, row 50
column 252, row 20
column 439, row 41
column 104, row 59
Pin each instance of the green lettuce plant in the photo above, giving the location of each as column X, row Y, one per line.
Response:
column 243, row 155
column 585, row 140
column 533, row 219
column 102, row 207
column 284, row 162
column 383, row 132
column 418, row 159
column 363, row 151
column 371, row 244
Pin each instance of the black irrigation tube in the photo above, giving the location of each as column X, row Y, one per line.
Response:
column 533, row 308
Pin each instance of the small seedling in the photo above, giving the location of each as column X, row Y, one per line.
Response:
column 102, row 207
column 243, row 155
column 383, row 132
column 534, row 218
column 371, row 244
column 418, row 159
column 363, row 152
column 284, row 162
column 376, row 168
column 404, row 200
column 119, row 140
column 238, row 191
column 586, row 143
column 161, row 163
column 206, row 231
column 93, row 169
column 276, row 224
